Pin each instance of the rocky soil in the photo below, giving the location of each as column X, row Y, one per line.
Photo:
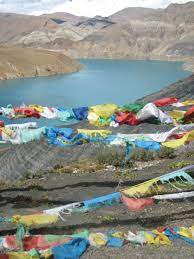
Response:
column 34, row 157
column 48, row 190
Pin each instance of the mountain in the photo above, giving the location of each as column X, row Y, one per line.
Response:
column 13, row 25
column 97, row 22
column 62, row 17
column 27, row 62
column 133, row 33
column 141, row 33
column 132, row 13
column 67, row 28
column 174, row 13
column 28, row 30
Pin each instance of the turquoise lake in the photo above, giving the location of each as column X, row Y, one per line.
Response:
column 101, row 81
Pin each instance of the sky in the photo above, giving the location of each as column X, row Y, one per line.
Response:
column 88, row 8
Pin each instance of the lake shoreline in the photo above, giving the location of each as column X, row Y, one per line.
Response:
column 101, row 81
column 188, row 64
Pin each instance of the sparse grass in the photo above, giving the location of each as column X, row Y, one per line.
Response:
column 4, row 185
column 77, row 167
column 190, row 154
column 45, row 196
column 30, row 176
column 107, row 219
column 180, row 164
column 35, row 187
column 30, row 184
column 126, row 174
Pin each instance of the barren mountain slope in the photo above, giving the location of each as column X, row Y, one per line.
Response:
column 62, row 17
column 133, row 33
column 145, row 34
column 20, row 24
column 21, row 62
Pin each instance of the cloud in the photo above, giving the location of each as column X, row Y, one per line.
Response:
column 30, row 6
column 79, row 7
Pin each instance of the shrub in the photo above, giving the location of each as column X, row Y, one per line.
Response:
column 115, row 156
column 166, row 152
column 147, row 155
column 142, row 155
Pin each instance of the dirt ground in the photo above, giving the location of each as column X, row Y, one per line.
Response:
column 53, row 189
column 16, row 160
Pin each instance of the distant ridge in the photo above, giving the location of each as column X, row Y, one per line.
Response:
column 132, row 33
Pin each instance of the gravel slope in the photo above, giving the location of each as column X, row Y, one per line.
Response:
column 51, row 189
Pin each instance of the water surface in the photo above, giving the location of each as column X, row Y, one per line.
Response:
column 101, row 81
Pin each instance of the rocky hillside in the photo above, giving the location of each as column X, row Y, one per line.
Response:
column 143, row 33
column 183, row 89
column 61, row 18
column 140, row 33
column 13, row 25
column 133, row 33
column 27, row 62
